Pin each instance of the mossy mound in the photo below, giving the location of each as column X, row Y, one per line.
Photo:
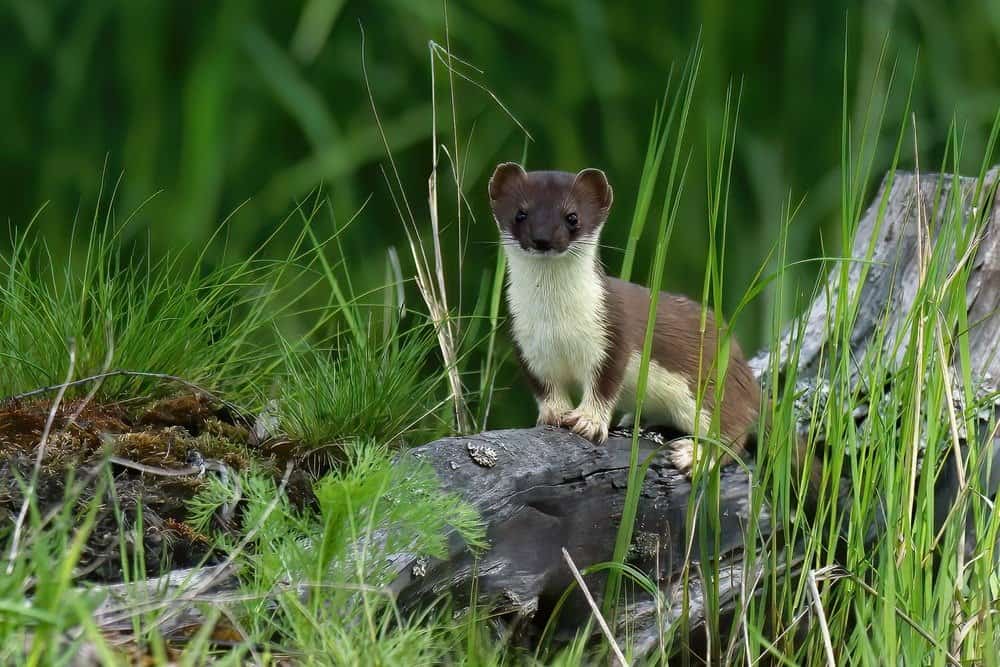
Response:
column 157, row 454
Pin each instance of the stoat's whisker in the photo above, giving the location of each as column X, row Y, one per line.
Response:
column 604, row 246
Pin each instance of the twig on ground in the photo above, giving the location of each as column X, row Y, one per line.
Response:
column 227, row 475
column 100, row 377
column 208, row 464
column 127, row 611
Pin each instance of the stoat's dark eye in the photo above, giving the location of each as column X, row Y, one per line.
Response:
column 572, row 220
column 521, row 216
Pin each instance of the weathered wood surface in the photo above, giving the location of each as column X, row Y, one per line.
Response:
column 549, row 489
column 893, row 273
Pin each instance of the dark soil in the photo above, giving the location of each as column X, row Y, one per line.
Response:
column 187, row 433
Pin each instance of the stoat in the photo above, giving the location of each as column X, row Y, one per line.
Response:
column 577, row 330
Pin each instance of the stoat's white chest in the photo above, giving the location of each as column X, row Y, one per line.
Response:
column 558, row 312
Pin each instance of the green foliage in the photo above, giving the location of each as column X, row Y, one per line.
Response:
column 386, row 505
column 662, row 130
column 30, row 629
column 373, row 496
column 213, row 496
column 367, row 510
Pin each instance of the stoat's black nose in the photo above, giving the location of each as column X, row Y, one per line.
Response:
column 541, row 244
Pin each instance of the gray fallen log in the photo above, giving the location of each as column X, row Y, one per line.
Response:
column 550, row 489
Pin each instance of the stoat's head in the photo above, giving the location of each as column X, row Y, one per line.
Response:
column 549, row 212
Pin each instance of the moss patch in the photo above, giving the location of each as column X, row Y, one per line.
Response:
column 157, row 455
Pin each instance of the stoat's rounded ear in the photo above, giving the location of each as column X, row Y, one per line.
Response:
column 592, row 183
column 505, row 177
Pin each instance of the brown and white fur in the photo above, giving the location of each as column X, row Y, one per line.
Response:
column 577, row 330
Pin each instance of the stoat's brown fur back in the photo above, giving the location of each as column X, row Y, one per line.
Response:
column 577, row 330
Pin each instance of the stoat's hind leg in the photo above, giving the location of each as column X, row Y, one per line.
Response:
column 684, row 453
column 627, row 420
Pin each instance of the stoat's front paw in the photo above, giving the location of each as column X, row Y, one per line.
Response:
column 589, row 426
column 551, row 415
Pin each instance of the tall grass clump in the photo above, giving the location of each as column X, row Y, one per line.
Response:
column 894, row 562
column 380, row 388
column 123, row 312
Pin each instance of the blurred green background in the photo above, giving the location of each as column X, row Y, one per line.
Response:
column 252, row 105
